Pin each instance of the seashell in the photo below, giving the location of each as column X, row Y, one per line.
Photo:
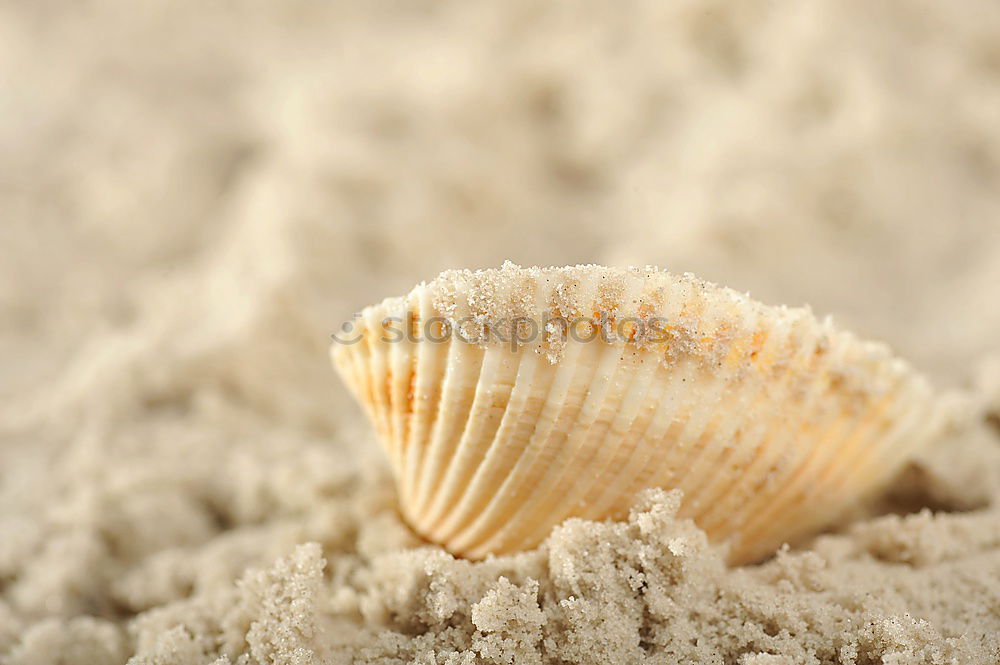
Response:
column 511, row 399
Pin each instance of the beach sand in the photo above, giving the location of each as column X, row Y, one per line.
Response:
column 194, row 196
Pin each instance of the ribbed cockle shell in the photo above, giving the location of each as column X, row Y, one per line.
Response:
column 511, row 399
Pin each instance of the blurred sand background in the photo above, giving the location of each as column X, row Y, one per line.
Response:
column 193, row 196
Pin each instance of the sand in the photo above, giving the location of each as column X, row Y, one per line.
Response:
column 194, row 196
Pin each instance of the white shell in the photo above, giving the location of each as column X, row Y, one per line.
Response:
column 771, row 422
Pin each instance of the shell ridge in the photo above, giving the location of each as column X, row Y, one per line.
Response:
column 667, row 404
column 518, row 525
column 820, row 452
column 484, row 421
column 376, row 382
column 538, row 437
column 432, row 514
column 564, row 488
column 468, row 455
column 590, row 448
column 758, row 438
column 469, row 501
column 710, row 312
column 425, row 396
column 827, row 425
column 432, row 363
column 461, row 372
column 617, row 456
column 733, row 453
column 397, row 380
column 386, row 353
column 760, row 528
column 642, row 444
column 457, row 417
column 681, row 350
column 409, row 385
column 599, row 427
column 516, row 425
column 707, row 437
column 903, row 414
column 523, row 477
